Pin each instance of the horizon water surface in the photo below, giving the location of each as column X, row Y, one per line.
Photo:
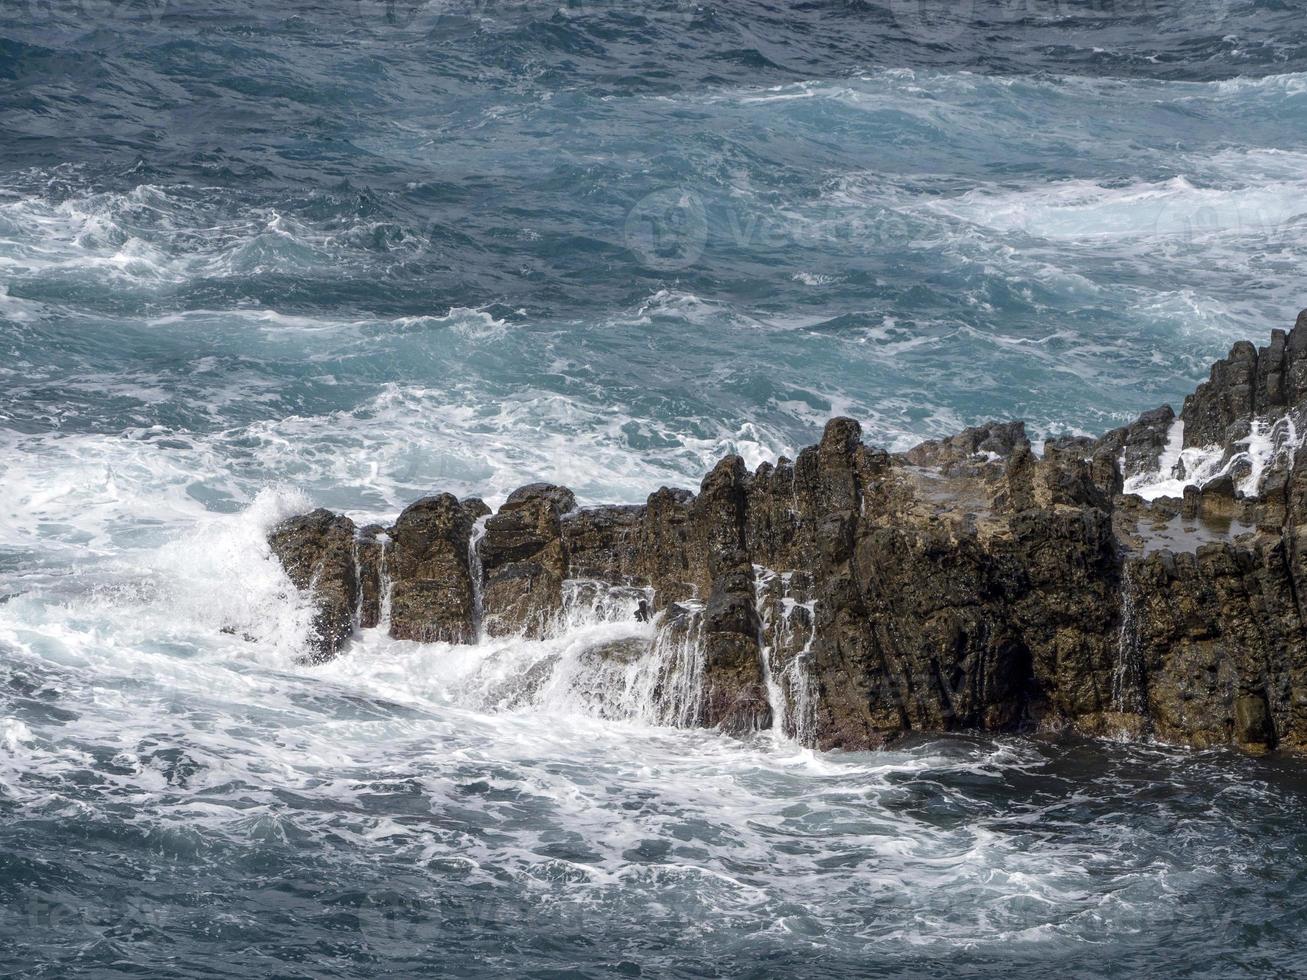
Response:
column 347, row 253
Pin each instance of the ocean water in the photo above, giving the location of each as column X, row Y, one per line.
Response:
column 350, row 252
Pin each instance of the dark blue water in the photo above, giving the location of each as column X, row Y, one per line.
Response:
column 348, row 253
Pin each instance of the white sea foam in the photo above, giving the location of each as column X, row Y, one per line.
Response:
column 1269, row 442
column 148, row 641
column 208, row 737
column 14, row 734
column 950, row 87
column 153, row 236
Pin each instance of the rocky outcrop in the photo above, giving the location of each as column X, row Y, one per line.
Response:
column 1137, row 447
column 1250, row 382
column 851, row 595
column 317, row 551
column 524, row 561
column 734, row 697
column 433, row 596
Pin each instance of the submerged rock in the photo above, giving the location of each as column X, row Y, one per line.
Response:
column 852, row 595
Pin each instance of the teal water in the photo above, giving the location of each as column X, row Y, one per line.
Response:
column 348, row 253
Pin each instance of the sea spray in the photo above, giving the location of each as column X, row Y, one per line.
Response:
column 477, row 574
column 1128, row 672
column 220, row 577
column 1264, row 445
column 596, row 660
column 786, row 671
column 386, row 583
column 1269, row 440
column 798, row 676
column 589, row 601
column 669, row 686
column 763, row 581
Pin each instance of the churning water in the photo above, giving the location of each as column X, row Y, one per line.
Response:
column 349, row 252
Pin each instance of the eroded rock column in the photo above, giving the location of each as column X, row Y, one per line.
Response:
column 317, row 551
column 524, row 561
column 433, row 593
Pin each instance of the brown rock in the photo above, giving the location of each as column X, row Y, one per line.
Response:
column 433, row 598
column 371, row 555
column 524, row 561
column 852, row 595
column 317, row 551
column 603, row 543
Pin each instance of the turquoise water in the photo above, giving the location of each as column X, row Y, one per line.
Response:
column 350, row 253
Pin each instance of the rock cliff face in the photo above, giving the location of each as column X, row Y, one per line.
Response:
column 851, row 595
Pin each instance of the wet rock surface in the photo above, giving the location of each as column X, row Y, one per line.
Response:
column 1249, row 382
column 851, row 595
column 317, row 551
column 433, row 594
column 524, row 561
